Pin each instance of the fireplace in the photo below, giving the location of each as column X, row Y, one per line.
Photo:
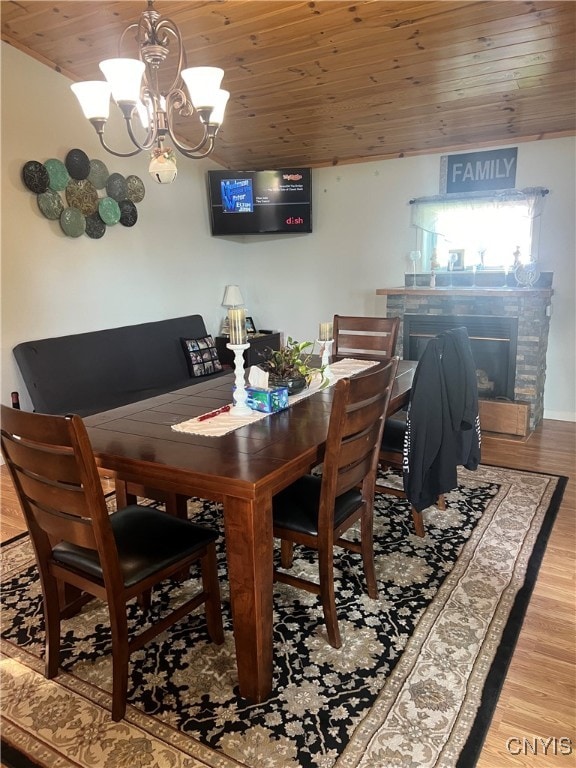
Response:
column 493, row 341
column 509, row 346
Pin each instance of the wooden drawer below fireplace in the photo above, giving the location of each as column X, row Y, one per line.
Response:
column 504, row 417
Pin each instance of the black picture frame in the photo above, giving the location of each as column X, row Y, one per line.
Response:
column 250, row 327
column 456, row 259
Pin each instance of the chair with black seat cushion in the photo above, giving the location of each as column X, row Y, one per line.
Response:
column 442, row 427
column 83, row 552
column 317, row 510
column 368, row 338
column 375, row 338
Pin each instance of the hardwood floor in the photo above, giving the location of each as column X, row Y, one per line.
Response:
column 538, row 698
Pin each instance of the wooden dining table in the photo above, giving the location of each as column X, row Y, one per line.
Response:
column 242, row 470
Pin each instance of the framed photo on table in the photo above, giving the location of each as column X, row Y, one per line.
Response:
column 250, row 327
column 456, row 259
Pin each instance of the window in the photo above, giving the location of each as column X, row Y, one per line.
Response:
column 482, row 231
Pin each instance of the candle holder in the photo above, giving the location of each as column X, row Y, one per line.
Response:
column 240, row 395
column 237, row 325
column 326, row 352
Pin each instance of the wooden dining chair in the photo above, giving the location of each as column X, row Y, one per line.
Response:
column 83, row 552
column 442, row 428
column 368, row 338
column 317, row 510
column 375, row 338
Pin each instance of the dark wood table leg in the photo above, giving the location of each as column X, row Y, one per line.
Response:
column 128, row 493
column 248, row 528
column 123, row 498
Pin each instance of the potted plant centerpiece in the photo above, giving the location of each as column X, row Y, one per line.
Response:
column 290, row 366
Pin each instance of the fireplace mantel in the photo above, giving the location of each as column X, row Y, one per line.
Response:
column 543, row 293
column 532, row 307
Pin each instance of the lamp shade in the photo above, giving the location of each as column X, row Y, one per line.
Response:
column 203, row 84
column 124, row 77
column 94, row 98
column 232, row 296
column 217, row 114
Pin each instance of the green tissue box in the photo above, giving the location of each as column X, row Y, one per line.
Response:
column 267, row 400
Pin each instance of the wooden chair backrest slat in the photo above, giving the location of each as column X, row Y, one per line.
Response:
column 363, row 418
column 66, row 499
column 362, row 342
column 48, row 461
column 59, row 527
column 361, row 323
column 354, row 449
column 353, row 475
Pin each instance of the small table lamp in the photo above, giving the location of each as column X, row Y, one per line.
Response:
column 232, row 298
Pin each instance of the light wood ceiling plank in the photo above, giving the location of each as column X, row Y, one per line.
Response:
column 336, row 81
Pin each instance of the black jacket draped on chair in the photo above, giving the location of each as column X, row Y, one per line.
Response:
column 442, row 424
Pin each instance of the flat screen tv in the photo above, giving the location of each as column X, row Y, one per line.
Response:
column 260, row 202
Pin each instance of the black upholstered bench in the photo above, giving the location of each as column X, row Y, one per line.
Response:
column 90, row 372
column 86, row 373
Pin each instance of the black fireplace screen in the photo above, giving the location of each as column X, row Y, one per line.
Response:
column 493, row 341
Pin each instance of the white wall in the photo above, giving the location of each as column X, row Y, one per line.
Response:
column 168, row 265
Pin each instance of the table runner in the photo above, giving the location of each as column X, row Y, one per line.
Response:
column 227, row 422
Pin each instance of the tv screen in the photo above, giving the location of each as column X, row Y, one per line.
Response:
column 260, row 202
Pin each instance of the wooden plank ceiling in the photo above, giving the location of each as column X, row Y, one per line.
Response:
column 328, row 82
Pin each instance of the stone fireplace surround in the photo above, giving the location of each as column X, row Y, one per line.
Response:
column 530, row 305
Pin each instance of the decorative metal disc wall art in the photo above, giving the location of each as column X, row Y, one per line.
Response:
column 82, row 194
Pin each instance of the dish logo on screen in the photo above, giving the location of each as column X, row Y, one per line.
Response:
column 291, row 176
column 294, row 220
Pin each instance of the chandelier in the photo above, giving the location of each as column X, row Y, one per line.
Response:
column 148, row 108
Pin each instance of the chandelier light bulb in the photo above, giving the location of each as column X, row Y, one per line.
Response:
column 142, row 111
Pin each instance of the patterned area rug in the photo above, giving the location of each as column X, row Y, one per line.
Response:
column 406, row 689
